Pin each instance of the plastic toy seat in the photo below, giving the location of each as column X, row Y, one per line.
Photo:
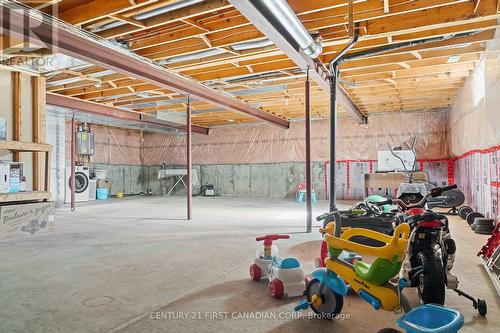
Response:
column 431, row 318
column 379, row 272
column 286, row 263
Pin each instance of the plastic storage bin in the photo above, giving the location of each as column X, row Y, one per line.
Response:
column 430, row 318
column 102, row 194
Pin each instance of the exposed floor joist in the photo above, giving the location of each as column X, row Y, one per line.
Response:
column 86, row 49
column 317, row 70
column 263, row 75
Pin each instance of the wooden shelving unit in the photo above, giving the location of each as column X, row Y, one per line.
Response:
column 25, row 196
column 29, row 147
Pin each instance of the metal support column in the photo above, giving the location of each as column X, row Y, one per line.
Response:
column 73, row 163
column 333, row 137
column 308, row 155
column 189, row 161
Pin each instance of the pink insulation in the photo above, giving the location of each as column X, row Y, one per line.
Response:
column 112, row 145
column 269, row 144
column 478, row 176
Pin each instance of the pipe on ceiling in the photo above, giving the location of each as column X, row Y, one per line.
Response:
column 280, row 14
column 397, row 46
column 166, row 9
column 149, row 14
column 192, row 56
column 251, row 45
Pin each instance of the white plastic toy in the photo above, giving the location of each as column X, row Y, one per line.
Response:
column 285, row 275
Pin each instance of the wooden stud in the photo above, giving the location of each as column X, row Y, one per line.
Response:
column 16, row 112
column 38, row 127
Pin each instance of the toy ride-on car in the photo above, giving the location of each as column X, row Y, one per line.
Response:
column 285, row 275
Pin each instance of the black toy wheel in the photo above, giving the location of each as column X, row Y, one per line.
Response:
column 483, row 231
column 450, row 246
column 482, row 308
column 431, row 282
column 331, row 302
column 484, row 222
column 389, row 330
column 463, row 211
column 472, row 216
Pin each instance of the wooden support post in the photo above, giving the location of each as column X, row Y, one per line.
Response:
column 38, row 125
column 16, row 112
column 308, row 155
column 189, row 161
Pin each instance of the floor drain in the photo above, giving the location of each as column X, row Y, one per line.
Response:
column 98, row 301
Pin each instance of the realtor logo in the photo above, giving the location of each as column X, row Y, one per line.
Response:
column 25, row 31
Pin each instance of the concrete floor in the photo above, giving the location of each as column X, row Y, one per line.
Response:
column 116, row 267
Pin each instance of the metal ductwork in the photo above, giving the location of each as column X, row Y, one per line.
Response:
column 166, row 9
column 251, row 45
column 192, row 56
column 282, row 16
column 397, row 46
column 149, row 14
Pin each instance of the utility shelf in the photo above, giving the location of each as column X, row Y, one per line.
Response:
column 41, row 191
column 24, row 196
column 20, row 146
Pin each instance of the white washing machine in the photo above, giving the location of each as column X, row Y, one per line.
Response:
column 82, row 179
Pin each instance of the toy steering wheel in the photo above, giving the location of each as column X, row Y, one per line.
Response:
column 374, row 207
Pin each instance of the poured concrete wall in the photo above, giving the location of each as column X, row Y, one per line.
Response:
column 275, row 180
column 125, row 178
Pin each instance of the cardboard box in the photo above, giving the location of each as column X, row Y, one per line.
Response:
column 25, row 220
column 387, row 183
column 105, row 183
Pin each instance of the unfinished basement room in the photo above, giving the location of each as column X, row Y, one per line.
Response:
column 271, row 166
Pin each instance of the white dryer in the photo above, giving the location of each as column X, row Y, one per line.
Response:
column 82, row 180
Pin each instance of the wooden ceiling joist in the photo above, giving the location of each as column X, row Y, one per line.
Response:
column 398, row 80
column 77, row 46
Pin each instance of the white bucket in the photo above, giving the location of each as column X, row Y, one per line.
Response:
column 100, row 173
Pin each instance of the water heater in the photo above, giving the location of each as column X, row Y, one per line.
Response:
column 84, row 140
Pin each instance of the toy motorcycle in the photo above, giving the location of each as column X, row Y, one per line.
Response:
column 431, row 250
column 285, row 275
column 376, row 283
